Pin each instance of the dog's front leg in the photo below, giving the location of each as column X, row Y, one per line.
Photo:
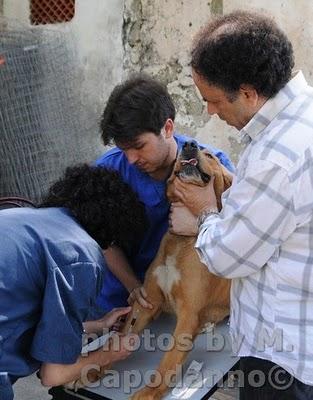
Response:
column 186, row 330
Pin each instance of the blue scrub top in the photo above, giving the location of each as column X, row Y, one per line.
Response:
column 50, row 274
column 152, row 193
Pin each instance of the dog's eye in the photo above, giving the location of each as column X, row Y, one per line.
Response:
column 209, row 155
column 176, row 173
column 205, row 177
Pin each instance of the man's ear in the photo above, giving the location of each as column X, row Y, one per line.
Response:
column 168, row 129
column 249, row 94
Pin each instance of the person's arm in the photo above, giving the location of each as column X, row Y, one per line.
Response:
column 57, row 340
column 58, row 374
column 118, row 264
column 257, row 216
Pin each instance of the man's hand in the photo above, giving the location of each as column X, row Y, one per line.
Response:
column 139, row 293
column 121, row 346
column 107, row 321
column 182, row 221
column 196, row 198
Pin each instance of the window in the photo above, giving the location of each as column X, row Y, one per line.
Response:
column 51, row 11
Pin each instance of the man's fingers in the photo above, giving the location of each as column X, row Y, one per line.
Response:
column 117, row 313
column 142, row 301
column 143, row 292
column 122, row 311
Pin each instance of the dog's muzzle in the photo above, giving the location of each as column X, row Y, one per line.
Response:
column 189, row 161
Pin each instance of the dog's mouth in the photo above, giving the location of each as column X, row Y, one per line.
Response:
column 190, row 166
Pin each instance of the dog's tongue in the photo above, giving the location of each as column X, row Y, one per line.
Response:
column 191, row 161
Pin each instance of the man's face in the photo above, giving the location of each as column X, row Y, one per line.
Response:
column 149, row 152
column 234, row 113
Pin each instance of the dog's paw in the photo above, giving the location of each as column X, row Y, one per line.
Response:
column 208, row 327
column 147, row 394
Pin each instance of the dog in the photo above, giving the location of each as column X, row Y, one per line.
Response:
column 176, row 281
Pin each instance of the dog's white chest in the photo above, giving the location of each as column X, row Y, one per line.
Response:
column 167, row 275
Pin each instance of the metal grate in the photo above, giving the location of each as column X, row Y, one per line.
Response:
column 51, row 11
column 46, row 123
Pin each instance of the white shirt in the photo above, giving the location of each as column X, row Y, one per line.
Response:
column 263, row 237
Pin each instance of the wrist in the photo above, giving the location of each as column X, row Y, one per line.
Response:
column 205, row 213
column 133, row 287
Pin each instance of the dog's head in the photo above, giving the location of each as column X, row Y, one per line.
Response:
column 197, row 167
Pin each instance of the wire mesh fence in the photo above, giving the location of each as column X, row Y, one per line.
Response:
column 43, row 125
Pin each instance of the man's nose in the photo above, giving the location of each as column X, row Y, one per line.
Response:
column 132, row 156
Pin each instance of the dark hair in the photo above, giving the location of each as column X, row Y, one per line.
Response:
column 138, row 105
column 102, row 203
column 243, row 48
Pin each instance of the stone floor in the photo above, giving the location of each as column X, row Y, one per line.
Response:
column 30, row 388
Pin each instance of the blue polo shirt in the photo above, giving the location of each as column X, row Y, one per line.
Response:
column 50, row 273
column 152, row 193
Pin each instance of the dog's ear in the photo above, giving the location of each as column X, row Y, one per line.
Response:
column 227, row 177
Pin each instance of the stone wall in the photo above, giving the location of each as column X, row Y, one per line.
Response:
column 117, row 37
column 157, row 38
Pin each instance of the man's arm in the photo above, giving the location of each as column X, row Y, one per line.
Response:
column 118, row 264
column 257, row 216
column 59, row 374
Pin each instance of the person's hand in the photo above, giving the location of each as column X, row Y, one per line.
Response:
column 121, row 346
column 182, row 221
column 113, row 317
column 196, row 198
column 109, row 320
column 139, row 293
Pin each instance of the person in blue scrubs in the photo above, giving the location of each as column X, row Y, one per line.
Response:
column 139, row 119
column 51, row 270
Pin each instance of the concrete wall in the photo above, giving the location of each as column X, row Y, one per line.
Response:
column 96, row 33
column 116, row 37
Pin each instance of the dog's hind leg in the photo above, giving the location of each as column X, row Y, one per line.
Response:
column 186, row 330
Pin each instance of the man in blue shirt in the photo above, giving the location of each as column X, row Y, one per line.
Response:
column 51, row 270
column 139, row 119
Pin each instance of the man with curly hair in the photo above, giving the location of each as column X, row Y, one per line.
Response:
column 139, row 118
column 262, row 239
column 51, row 269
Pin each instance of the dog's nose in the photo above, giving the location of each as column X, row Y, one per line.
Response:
column 192, row 144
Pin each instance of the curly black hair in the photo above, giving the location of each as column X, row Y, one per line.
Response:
column 102, row 203
column 243, row 48
column 138, row 105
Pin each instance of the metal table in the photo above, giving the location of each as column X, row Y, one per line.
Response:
column 213, row 349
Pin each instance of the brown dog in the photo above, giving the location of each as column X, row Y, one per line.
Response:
column 176, row 280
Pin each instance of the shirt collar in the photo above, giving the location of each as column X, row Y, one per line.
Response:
column 273, row 107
